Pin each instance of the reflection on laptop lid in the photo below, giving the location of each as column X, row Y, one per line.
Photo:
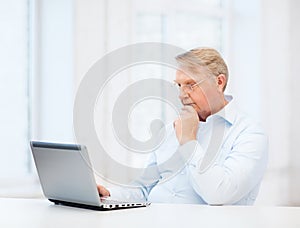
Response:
column 67, row 177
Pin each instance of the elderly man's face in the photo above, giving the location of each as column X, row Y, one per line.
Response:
column 204, row 98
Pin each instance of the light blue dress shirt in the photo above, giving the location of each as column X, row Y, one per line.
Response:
column 225, row 165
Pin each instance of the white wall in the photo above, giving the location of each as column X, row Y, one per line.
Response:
column 275, row 71
column 294, row 82
column 280, row 51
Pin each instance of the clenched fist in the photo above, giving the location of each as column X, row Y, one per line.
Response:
column 186, row 126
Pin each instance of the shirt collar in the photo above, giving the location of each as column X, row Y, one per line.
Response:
column 228, row 113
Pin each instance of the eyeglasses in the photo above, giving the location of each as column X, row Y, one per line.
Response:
column 188, row 88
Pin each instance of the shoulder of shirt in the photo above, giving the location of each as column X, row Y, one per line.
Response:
column 243, row 120
column 248, row 123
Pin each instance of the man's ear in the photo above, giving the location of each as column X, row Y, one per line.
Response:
column 221, row 82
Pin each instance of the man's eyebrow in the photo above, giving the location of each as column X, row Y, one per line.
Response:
column 190, row 81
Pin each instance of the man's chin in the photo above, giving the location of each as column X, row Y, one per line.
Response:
column 198, row 111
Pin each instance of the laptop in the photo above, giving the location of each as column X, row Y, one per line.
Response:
column 67, row 177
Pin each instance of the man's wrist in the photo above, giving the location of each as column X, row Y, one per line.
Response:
column 186, row 140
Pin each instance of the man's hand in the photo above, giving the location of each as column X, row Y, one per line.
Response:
column 186, row 126
column 103, row 191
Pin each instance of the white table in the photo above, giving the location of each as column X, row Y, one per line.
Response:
column 41, row 213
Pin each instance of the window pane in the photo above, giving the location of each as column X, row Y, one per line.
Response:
column 207, row 3
column 149, row 27
column 193, row 30
column 13, row 88
column 183, row 28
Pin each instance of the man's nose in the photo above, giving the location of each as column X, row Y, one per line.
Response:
column 182, row 94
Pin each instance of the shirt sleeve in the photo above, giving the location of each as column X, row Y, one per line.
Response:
column 141, row 187
column 242, row 169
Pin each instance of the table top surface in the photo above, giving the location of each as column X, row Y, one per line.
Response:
column 41, row 213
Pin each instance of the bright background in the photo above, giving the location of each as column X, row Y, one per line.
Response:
column 46, row 47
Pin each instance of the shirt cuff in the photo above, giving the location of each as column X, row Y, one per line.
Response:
column 126, row 194
column 115, row 193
